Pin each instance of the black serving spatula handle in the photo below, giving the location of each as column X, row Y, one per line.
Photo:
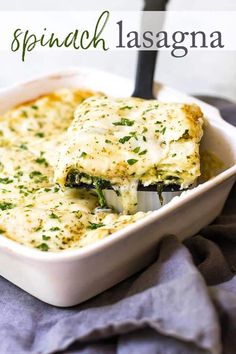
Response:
column 144, row 74
column 147, row 59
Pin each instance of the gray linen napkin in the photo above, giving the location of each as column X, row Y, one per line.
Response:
column 184, row 303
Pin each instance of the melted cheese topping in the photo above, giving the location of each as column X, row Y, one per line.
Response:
column 128, row 141
column 33, row 209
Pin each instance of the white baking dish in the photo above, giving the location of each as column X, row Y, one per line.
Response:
column 72, row 276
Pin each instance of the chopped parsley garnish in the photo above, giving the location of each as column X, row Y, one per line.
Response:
column 124, row 139
column 38, row 228
column 83, row 154
column 134, row 134
column 35, row 174
column 174, row 155
column 132, row 161
column 94, row 226
column 2, row 231
column 55, row 228
column 53, row 216
column 43, row 247
column 136, row 150
column 124, row 121
column 108, row 141
column 163, row 130
column 24, row 190
column 158, row 122
column 143, row 152
column 127, row 107
column 40, row 135
column 42, row 160
column 6, row 180
column 42, row 179
column 6, row 206
column 19, row 174
column 150, row 109
column 39, row 175
column 34, row 107
column 45, row 238
column 23, row 147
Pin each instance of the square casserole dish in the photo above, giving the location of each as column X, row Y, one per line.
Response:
column 69, row 277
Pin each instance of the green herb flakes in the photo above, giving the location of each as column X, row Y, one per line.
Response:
column 126, row 107
column 45, row 238
column 35, row 174
column 23, row 147
column 163, row 130
column 132, row 161
column 43, row 247
column 94, row 226
column 53, row 216
column 6, row 180
column 136, row 150
column 124, row 121
column 40, row 135
column 143, row 152
column 124, row 139
column 55, row 228
column 83, row 154
column 6, row 205
column 42, row 161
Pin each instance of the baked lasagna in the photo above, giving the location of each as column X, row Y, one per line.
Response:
column 126, row 142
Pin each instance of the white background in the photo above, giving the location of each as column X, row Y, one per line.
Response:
column 199, row 72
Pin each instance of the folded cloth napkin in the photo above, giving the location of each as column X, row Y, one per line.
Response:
column 184, row 303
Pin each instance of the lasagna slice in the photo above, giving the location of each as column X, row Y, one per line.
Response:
column 124, row 142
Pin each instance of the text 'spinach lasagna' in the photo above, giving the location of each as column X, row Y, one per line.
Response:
column 124, row 142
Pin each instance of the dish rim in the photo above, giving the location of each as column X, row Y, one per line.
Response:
column 88, row 250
